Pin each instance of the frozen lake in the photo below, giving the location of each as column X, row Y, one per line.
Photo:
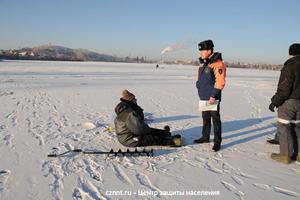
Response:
column 45, row 104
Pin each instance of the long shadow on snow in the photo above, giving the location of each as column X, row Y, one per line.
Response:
column 189, row 135
column 149, row 118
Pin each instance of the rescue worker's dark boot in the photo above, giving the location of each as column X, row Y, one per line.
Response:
column 205, row 132
column 201, row 140
column 273, row 141
column 216, row 147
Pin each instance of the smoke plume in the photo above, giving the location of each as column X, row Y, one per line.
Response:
column 176, row 47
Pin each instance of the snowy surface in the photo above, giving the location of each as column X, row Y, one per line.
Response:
column 51, row 107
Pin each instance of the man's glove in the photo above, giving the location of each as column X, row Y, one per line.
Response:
column 271, row 107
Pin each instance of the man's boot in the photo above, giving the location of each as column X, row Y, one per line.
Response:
column 167, row 128
column 167, row 131
column 281, row 158
column 298, row 157
column 177, row 140
column 173, row 141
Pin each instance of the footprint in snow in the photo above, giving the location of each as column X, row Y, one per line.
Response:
column 233, row 189
column 78, row 194
column 4, row 176
column 120, row 174
column 55, row 171
column 145, row 181
column 90, row 190
column 93, row 170
column 193, row 164
column 212, row 168
column 200, row 159
column 246, row 175
column 151, row 166
column 286, row 192
column 68, row 147
column 228, row 167
column 9, row 140
column 261, row 186
column 296, row 171
column 237, row 180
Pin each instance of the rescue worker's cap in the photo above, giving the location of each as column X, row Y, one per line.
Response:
column 206, row 45
column 126, row 95
column 294, row 49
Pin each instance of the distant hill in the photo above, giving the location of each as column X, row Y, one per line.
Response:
column 53, row 52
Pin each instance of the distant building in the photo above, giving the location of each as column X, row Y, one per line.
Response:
column 23, row 53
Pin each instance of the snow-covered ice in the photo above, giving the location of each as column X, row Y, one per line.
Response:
column 52, row 107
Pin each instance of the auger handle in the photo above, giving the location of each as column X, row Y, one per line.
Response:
column 58, row 155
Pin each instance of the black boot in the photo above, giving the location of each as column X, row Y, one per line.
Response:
column 216, row 147
column 167, row 131
column 205, row 132
column 294, row 157
column 273, row 141
column 177, row 141
column 173, row 141
column 201, row 140
column 167, row 128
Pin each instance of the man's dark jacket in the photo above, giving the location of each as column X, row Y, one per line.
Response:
column 289, row 82
column 129, row 123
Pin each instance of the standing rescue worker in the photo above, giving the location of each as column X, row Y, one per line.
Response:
column 287, row 99
column 210, row 83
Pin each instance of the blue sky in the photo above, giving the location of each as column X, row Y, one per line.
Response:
column 258, row 31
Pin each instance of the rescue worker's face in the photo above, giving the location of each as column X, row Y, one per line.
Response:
column 204, row 54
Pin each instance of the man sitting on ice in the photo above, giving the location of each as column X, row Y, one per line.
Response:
column 131, row 129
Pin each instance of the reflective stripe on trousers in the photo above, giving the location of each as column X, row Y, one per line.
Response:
column 285, row 121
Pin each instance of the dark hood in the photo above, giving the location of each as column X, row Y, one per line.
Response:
column 124, row 105
column 121, row 107
column 293, row 59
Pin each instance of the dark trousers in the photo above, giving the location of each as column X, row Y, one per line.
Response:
column 156, row 137
column 207, row 116
column 289, row 127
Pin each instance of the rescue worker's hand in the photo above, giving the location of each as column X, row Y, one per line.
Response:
column 272, row 107
column 211, row 100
